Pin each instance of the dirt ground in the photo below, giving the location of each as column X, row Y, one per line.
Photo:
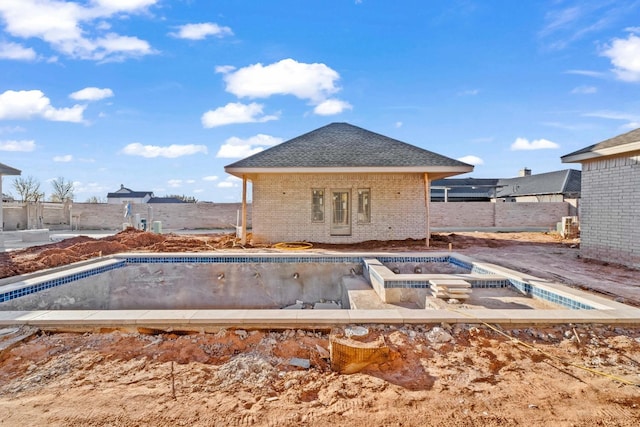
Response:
column 432, row 375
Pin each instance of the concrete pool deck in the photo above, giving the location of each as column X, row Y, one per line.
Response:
column 605, row 311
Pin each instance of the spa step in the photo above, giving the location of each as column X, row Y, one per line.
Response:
column 361, row 295
column 448, row 295
column 450, row 288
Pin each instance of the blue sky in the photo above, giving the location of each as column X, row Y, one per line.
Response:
column 160, row 95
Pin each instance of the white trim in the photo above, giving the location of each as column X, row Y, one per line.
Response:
column 447, row 170
column 594, row 154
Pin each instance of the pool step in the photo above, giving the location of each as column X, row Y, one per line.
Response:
column 450, row 288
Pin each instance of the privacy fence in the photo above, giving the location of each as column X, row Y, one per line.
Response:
column 102, row 216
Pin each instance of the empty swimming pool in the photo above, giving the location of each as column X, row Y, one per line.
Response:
column 274, row 281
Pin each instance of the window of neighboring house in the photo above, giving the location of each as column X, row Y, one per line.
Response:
column 364, row 205
column 317, row 205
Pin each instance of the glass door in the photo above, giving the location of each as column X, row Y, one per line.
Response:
column 340, row 217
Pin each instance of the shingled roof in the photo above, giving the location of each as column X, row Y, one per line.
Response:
column 624, row 143
column 566, row 182
column 340, row 146
column 8, row 170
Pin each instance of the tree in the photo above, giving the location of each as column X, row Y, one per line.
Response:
column 95, row 199
column 62, row 190
column 28, row 188
column 186, row 199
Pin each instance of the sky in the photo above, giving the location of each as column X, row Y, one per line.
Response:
column 160, row 95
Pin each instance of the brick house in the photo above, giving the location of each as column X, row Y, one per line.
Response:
column 609, row 219
column 341, row 184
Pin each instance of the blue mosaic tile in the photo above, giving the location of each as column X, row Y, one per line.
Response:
column 27, row 290
column 546, row 295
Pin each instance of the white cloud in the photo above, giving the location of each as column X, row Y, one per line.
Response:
column 11, row 129
column 569, row 126
column 235, row 112
column 63, row 159
column 27, row 104
column 15, row 145
column 65, row 26
column 482, row 140
column 235, row 147
column 588, row 73
column 536, row 144
column 114, row 47
column 201, row 31
column 224, row 69
column 398, row 124
column 15, row 51
column 93, row 188
column 91, row 94
column 613, row 115
column 230, row 182
column 210, row 178
column 331, row 107
column 631, row 119
column 569, row 22
column 172, row 151
column 174, row 183
column 631, row 125
column 124, row 5
column 470, row 92
column 625, row 58
column 472, row 160
column 584, row 90
column 314, row 82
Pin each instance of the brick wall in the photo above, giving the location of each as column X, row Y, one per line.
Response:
column 172, row 215
column 609, row 210
column 102, row 216
column 501, row 214
column 397, row 211
column 282, row 207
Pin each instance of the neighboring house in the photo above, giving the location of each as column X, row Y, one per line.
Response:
column 609, row 218
column 341, row 184
column 126, row 195
column 557, row 186
column 463, row 189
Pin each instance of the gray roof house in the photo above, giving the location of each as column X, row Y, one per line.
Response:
column 610, row 202
column 554, row 186
column 126, row 195
column 341, row 184
column 557, row 186
column 463, row 189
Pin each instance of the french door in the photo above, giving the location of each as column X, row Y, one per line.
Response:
column 340, row 213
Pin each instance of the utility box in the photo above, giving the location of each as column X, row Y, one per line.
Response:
column 569, row 227
column 156, row 227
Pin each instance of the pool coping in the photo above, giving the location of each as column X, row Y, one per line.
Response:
column 605, row 311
